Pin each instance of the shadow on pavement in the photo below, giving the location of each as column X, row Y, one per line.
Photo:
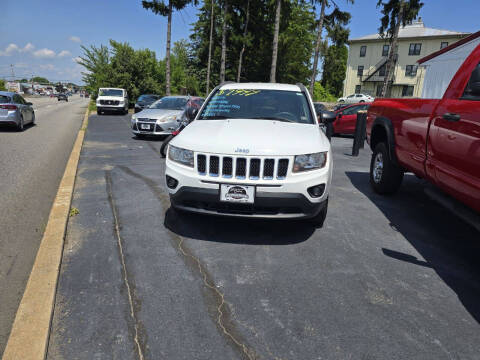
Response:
column 448, row 245
column 238, row 230
column 11, row 128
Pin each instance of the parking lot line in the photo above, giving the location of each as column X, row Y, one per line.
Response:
column 30, row 331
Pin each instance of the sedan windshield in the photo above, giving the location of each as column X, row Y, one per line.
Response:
column 170, row 103
column 110, row 92
column 147, row 98
column 287, row 106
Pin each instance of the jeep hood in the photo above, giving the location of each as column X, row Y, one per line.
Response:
column 252, row 137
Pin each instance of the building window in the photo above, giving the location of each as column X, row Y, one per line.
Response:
column 363, row 50
column 360, row 70
column 385, row 50
column 358, row 88
column 411, row 70
column 383, row 70
column 444, row 44
column 414, row 49
column 379, row 90
column 407, row 90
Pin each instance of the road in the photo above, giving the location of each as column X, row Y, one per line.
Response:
column 31, row 166
column 385, row 278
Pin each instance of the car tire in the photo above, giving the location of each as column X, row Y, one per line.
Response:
column 385, row 176
column 163, row 148
column 33, row 119
column 99, row 112
column 319, row 219
column 21, row 125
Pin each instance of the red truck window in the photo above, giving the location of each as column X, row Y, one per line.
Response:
column 472, row 90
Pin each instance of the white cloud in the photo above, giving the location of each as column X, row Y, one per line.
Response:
column 9, row 50
column 47, row 67
column 64, row 53
column 75, row 39
column 44, row 53
column 28, row 47
column 13, row 48
column 76, row 59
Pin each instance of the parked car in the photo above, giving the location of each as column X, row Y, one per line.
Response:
column 15, row 111
column 436, row 139
column 163, row 116
column 145, row 100
column 253, row 150
column 355, row 98
column 340, row 106
column 346, row 118
column 62, row 96
column 112, row 99
column 319, row 107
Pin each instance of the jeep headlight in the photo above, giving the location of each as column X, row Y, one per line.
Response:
column 309, row 162
column 181, row 156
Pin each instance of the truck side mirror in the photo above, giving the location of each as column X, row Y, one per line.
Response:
column 191, row 113
column 327, row 117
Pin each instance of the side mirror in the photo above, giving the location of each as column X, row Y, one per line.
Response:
column 327, row 117
column 191, row 113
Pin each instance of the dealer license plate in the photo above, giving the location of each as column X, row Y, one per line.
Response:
column 145, row 126
column 237, row 193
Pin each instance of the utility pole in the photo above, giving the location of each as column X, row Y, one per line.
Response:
column 13, row 72
column 392, row 56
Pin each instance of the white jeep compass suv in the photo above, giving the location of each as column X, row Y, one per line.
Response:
column 254, row 150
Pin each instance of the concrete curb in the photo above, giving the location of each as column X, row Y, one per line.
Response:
column 28, row 338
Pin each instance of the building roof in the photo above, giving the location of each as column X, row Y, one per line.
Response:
column 450, row 47
column 414, row 30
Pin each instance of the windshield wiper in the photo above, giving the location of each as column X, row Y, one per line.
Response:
column 271, row 118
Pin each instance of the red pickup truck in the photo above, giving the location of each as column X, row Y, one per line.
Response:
column 436, row 139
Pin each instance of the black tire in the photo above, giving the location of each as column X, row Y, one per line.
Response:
column 385, row 176
column 163, row 148
column 33, row 119
column 21, row 125
column 319, row 219
column 99, row 112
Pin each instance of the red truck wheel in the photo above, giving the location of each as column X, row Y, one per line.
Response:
column 385, row 176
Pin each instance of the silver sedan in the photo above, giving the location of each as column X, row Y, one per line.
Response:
column 160, row 118
column 15, row 111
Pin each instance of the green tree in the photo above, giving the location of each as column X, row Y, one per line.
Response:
column 321, row 94
column 396, row 13
column 335, row 16
column 96, row 61
column 2, row 85
column 40, row 80
column 159, row 7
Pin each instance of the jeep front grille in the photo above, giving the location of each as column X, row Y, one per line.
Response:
column 242, row 168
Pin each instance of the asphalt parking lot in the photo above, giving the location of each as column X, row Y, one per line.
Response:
column 385, row 278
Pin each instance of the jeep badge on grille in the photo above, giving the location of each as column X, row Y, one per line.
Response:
column 243, row 151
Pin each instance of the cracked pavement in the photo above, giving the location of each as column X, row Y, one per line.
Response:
column 386, row 278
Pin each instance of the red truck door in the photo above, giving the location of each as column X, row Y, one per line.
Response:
column 454, row 143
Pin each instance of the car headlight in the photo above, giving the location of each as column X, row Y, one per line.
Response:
column 169, row 118
column 309, row 162
column 181, row 156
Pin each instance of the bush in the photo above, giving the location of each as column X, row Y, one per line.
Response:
column 2, row 85
column 322, row 94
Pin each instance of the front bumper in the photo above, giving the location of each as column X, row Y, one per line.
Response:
column 163, row 128
column 288, row 198
column 267, row 204
column 111, row 108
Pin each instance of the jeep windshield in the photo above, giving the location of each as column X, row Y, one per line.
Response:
column 170, row 103
column 110, row 92
column 280, row 105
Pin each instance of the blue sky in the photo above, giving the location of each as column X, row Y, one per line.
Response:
column 46, row 37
